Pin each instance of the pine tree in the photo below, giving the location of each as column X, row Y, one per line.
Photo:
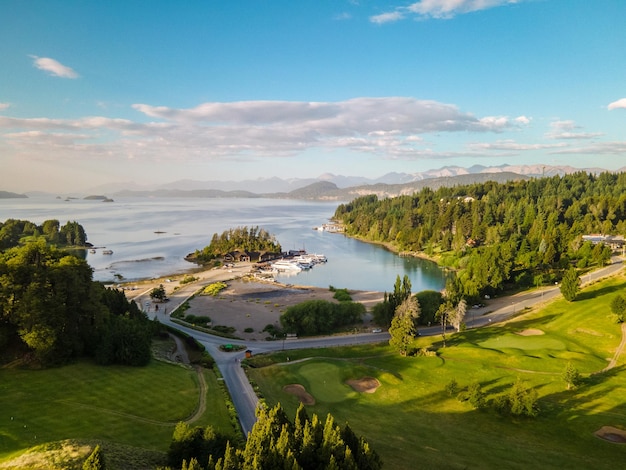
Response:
column 403, row 330
column 95, row 461
column 570, row 284
column 230, row 461
column 571, row 376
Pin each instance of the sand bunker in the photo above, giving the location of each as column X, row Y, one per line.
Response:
column 300, row 392
column 364, row 384
column 611, row 434
column 530, row 332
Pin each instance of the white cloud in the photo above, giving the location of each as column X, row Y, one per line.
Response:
column 564, row 130
column 342, row 16
column 564, row 125
column 53, row 67
column 495, row 123
column 359, row 115
column 597, row 148
column 621, row 103
column 511, row 145
column 441, row 9
column 387, row 127
column 4, row 106
column 387, row 17
column 522, row 120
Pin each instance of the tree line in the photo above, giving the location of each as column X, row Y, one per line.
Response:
column 14, row 231
column 495, row 235
column 51, row 310
column 274, row 442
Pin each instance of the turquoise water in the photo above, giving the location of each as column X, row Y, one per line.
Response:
column 150, row 237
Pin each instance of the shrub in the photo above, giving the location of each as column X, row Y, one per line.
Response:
column 452, row 387
column 229, row 330
column 474, row 395
column 215, row 288
column 342, row 295
column 188, row 278
column 519, row 401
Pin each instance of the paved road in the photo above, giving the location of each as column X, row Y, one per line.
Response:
column 502, row 309
column 242, row 394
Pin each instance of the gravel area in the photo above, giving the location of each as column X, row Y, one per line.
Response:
column 254, row 304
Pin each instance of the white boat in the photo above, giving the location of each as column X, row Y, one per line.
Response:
column 286, row 265
column 107, row 252
column 305, row 262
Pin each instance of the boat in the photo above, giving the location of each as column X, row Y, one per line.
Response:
column 107, row 252
column 319, row 258
column 286, row 265
column 305, row 262
column 92, row 251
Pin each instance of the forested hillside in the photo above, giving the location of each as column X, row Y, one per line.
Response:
column 520, row 233
column 51, row 310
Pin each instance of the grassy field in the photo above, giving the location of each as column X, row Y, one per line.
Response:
column 130, row 408
column 413, row 422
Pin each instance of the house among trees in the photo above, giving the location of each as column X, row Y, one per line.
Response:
column 615, row 242
column 247, row 256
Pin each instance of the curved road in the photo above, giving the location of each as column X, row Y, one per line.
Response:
column 243, row 396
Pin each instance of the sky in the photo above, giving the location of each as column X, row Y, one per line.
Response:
column 148, row 92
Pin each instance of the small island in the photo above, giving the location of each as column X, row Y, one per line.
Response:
column 98, row 198
column 239, row 244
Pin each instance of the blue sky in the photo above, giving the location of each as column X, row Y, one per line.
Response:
column 147, row 92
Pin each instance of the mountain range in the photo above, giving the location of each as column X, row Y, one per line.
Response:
column 337, row 187
column 343, row 188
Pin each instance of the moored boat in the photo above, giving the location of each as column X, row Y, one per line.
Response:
column 286, row 265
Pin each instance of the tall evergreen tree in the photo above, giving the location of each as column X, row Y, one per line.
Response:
column 570, row 285
column 403, row 328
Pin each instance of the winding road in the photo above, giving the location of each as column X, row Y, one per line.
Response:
column 243, row 396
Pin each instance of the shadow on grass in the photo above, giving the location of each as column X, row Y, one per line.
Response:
column 593, row 293
column 475, row 336
column 590, row 389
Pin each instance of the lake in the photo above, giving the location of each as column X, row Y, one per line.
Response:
column 150, row 237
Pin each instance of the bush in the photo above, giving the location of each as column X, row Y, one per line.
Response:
column 188, row 279
column 215, row 288
column 474, row 395
column 341, row 295
column 316, row 317
column 618, row 307
column 519, row 401
column 197, row 320
column 452, row 388
column 229, row 330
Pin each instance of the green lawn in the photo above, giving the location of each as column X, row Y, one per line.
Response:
column 136, row 407
column 413, row 422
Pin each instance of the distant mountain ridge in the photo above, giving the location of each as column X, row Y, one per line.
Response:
column 278, row 185
column 10, row 195
column 338, row 187
column 343, row 188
